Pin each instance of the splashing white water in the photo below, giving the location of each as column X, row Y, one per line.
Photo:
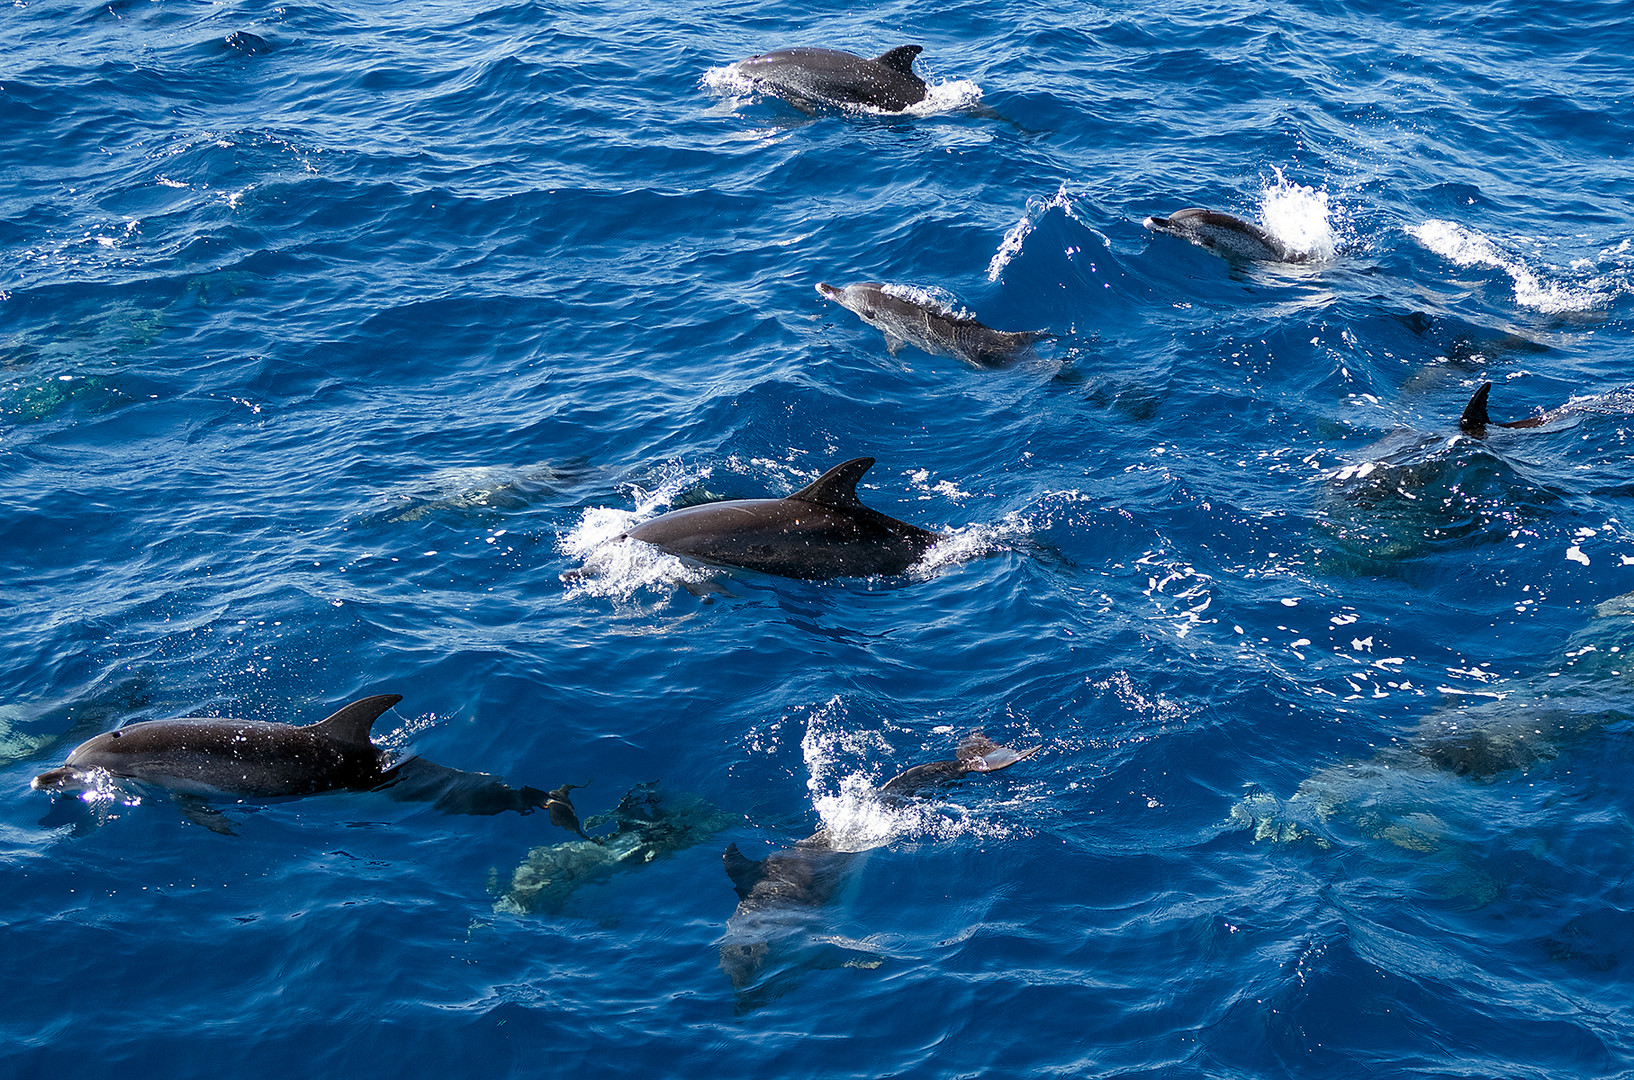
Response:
column 1298, row 216
column 938, row 300
column 1010, row 246
column 1469, row 247
column 619, row 568
column 846, row 797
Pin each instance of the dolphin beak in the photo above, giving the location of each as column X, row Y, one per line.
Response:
column 1156, row 222
column 54, row 780
column 828, row 292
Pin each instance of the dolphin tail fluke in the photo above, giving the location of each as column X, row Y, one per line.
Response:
column 1475, row 415
column 979, row 754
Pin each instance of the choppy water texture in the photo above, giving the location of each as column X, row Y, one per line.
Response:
column 339, row 343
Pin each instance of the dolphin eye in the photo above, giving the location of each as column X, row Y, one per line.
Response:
column 115, row 734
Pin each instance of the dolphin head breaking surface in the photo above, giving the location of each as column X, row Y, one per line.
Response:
column 197, row 758
column 242, row 758
column 807, row 78
column 905, row 319
column 821, row 531
column 1226, row 234
column 776, row 894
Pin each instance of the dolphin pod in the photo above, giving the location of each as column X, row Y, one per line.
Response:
column 808, row 78
column 821, row 531
column 772, row 891
column 907, row 321
column 197, row 758
column 1225, row 234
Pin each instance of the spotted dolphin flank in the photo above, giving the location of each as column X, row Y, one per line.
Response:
column 774, row 892
column 821, row 531
column 905, row 320
column 808, row 78
column 1227, row 235
column 197, row 758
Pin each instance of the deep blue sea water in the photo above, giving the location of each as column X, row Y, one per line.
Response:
column 335, row 356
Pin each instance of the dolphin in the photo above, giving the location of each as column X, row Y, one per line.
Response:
column 1475, row 421
column 1226, row 234
column 196, row 758
column 821, row 531
column 807, row 78
column 928, row 326
column 808, row 874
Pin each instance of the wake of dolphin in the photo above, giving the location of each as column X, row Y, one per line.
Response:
column 1470, row 247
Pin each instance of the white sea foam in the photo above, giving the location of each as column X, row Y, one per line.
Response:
column 1299, row 216
column 1010, row 246
column 938, row 300
column 1470, row 247
column 846, row 765
column 619, row 568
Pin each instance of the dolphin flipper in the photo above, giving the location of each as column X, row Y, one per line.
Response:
column 200, row 812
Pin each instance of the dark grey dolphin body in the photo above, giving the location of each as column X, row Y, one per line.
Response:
column 929, row 327
column 196, row 758
column 821, row 531
column 773, row 891
column 1226, row 234
column 807, row 78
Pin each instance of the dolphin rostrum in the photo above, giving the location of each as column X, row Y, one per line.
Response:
column 821, row 531
column 807, row 875
column 807, row 78
column 195, row 758
column 928, row 326
column 1226, row 234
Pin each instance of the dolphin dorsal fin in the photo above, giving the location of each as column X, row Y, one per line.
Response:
column 1475, row 416
column 351, row 724
column 838, row 486
column 900, row 58
column 744, row 871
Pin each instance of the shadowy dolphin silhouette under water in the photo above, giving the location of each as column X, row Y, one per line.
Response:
column 647, row 824
column 776, row 894
column 200, row 758
column 1425, row 792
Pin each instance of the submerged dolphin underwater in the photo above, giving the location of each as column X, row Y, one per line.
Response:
column 821, row 531
column 776, row 894
column 905, row 319
column 199, row 758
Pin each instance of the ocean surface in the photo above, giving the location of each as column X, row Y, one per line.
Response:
column 341, row 341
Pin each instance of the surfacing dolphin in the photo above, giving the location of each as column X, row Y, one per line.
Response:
column 773, row 892
column 808, row 78
column 197, row 758
column 1475, row 421
column 906, row 320
column 1226, row 234
column 821, row 531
